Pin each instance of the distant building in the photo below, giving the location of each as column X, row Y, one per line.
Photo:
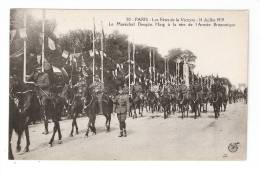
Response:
column 241, row 86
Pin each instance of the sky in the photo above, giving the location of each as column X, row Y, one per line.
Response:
column 219, row 50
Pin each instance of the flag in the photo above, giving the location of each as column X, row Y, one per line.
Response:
column 103, row 37
column 65, row 54
column 91, row 53
column 51, row 44
column 12, row 35
column 96, row 51
column 22, row 33
column 39, row 57
column 113, row 73
column 116, row 72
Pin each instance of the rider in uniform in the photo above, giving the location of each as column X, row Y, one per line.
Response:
column 42, row 82
column 97, row 88
column 216, row 86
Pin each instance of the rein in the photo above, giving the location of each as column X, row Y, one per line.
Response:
column 90, row 102
column 24, row 92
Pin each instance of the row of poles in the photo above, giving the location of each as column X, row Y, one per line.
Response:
column 151, row 56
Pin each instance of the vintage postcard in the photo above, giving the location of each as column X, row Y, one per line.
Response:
column 128, row 84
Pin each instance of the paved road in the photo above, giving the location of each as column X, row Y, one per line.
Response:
column 149, row 138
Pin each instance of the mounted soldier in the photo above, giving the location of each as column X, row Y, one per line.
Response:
column 41, row 80
column 97, row 88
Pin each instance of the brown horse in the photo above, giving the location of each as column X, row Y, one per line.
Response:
column 92, row 109
column 28, row 106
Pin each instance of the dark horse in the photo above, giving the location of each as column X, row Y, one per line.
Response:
column 183, row 103
column 77, row 106
column 195, row 101
column 13, row 123
column 216, row 102
column 166, row 104
column 135, row 103
column 152, row 101
column 92, row 109
column 24, row 105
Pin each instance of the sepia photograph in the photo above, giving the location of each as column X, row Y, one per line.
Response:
column 132, row 85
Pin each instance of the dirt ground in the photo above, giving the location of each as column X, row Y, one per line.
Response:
column 149, row 138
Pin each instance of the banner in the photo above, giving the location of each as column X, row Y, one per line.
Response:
column 65, row 54
column 22, row 33
column 51, row 44
column 12, row 34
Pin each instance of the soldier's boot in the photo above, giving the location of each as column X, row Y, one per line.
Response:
column 77, row 130
column 125, row 134
column 121, row 133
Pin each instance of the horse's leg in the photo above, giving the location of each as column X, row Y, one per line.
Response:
column 199, row 111
column 72, row 128
column 88, row 127
column 135, row 115
column 59, row 131
column 93, row 125
column 18, row 145
column 10, row 153
column 53, row 134
column 26, row 131
column 108, row 120
column 76, row 124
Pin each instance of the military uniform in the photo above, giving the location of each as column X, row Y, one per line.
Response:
column 97, row 88
column 43, row 91
column 122, row 102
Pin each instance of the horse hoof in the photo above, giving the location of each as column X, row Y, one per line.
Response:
column 86, row 135
column 71, row 135
column 26, row 149
column 18, row 149
column 60, row 141
column 50, row 145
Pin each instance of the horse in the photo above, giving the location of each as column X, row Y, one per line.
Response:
column 26, row 107
column 195, row 102
column 135, row 103
column 216, row 103
column 92, row 109
column 14, row 124
column 152, row 101
column 77, row 106
column 173, row 102
column 166, row 104
column 57, row 106
column 204, row 102
column 183, row 103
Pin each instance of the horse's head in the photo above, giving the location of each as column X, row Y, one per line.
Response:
column 24, row 100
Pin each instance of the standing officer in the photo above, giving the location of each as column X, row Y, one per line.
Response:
column 42, row 82
column 122, row 102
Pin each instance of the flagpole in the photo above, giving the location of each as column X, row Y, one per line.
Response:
column 93, row 46
column 43, row 24
column 153, row 66
column 150, row 68
column 165, row 68
column 134, row 60
column 24, row 49
column 102, row 54
column 129, row 66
